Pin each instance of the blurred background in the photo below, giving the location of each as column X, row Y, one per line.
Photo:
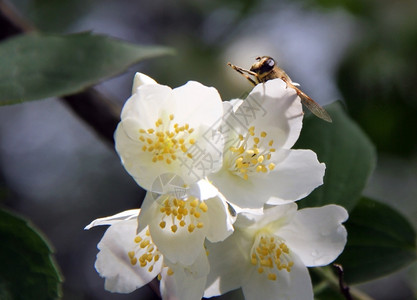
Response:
column 56, row 172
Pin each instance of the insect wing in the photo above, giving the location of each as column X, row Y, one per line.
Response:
column 313, row 106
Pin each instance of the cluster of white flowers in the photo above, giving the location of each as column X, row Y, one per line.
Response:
column 221, row 181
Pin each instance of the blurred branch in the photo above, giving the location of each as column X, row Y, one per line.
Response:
column 334, row 282
column 97, row 111
column 12, row 22
column 91, row 106
column 344, row 289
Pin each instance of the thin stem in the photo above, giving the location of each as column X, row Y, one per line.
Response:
column 328, row 274
column 344, row 289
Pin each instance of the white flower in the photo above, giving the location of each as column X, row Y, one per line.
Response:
column 129, row 260
column 258, row 165
column 180, row 222
column 267, row 254
column 164, row 130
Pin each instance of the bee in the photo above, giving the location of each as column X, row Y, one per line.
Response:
column 265, row 69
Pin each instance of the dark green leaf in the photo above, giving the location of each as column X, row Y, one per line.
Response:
column 51, row 15
column 329, row 294
column 348, row 154
column 380, row 241
column 40, row 66
column 357, row 7
column 27, row 268
column 383, row 103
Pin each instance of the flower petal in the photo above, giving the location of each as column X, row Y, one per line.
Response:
column 295, row 284
column 203, row 190
column 273, row 217
column 136, row 162
column 113, row 262
column 186, row 282
column 221, row 222
column 145, row 218
column 199, row 104
column 239, row 192
column 279, row 107
column 229, row 264
column 231, row 106
column 145, row 104
column 122, row 216
column 141, row 79
column 181, row 287
column 317, row 234
column 294, row 178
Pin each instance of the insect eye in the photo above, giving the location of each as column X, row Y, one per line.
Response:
column 267, row 66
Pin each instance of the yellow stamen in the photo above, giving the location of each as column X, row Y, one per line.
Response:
column 248, row 159
column 270, row 254
column 166, row 140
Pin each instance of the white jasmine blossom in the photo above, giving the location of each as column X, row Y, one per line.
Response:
column 129, row 260
column 259, row 165
column 164, row 130
column 267, row 255
column 179, row 224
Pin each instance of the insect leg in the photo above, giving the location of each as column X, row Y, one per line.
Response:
column 244, row 73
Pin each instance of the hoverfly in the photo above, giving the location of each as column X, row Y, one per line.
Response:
column 265, row 69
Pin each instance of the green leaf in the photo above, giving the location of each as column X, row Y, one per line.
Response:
column 51, row 15
column 347, row 152
column 328, row 294
column 27, row 268
column 40, row 66
column 380, row 241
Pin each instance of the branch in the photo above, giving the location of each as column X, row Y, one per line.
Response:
column 94, row 108
column 97, row 111
column 334, row 282
column 344, row 289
